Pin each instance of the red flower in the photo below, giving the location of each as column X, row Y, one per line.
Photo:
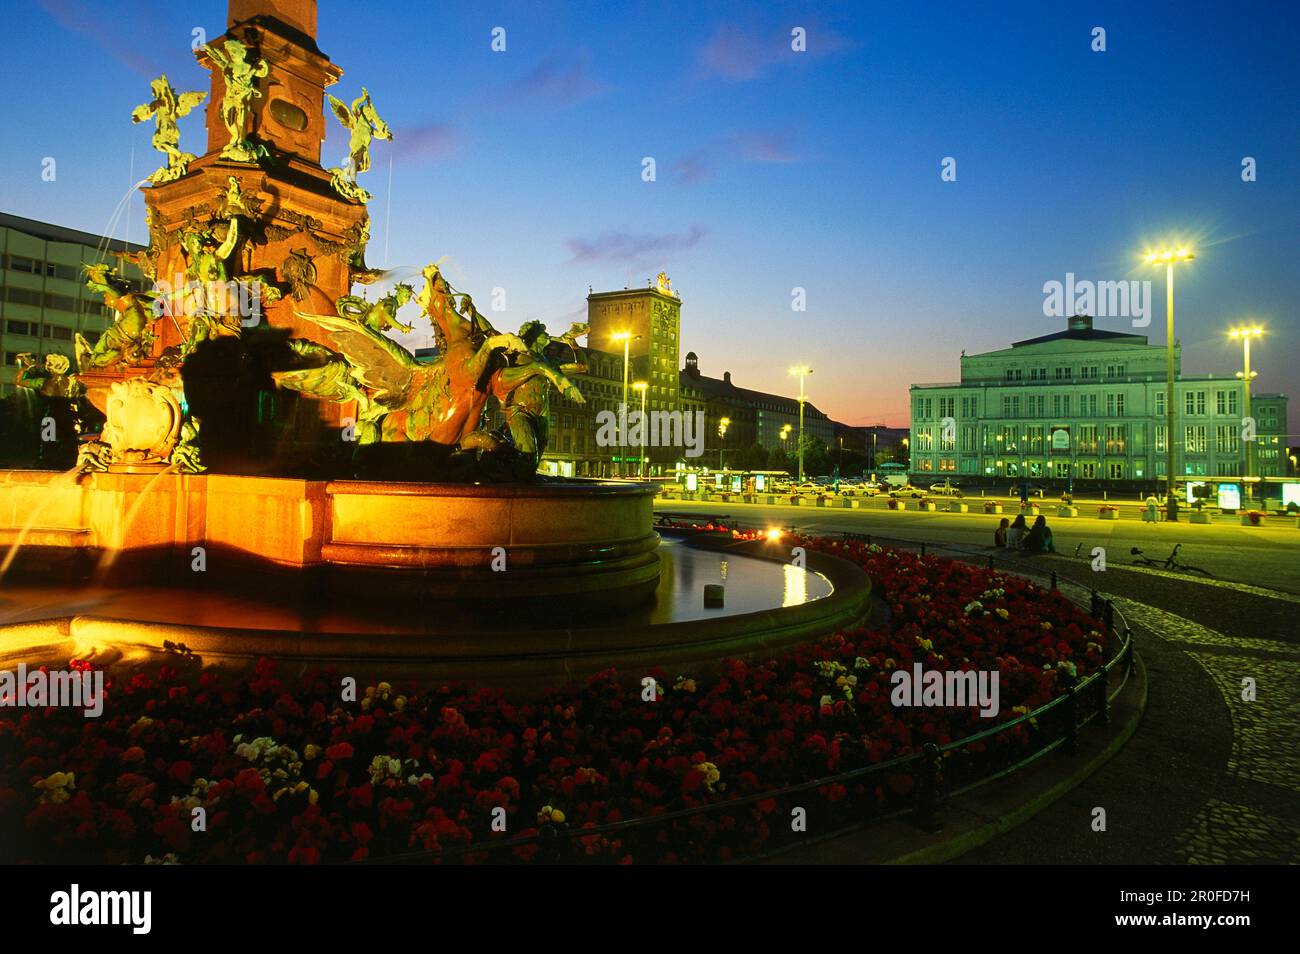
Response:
column 339, row 751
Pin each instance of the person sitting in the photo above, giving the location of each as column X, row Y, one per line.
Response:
column 1000, row 534
column 1016, row 533
column 1039, row 538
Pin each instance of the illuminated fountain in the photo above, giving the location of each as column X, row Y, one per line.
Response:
column 274, row 475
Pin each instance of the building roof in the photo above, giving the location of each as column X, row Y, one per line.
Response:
column 723, row 388
column 1079, row 328
column 58, row 233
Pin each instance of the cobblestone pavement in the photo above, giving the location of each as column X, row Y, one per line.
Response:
column 1209, row 777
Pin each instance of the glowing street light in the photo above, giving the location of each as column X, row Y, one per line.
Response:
column 1246, row 334
column 723, row 424
column 802, row 371
column 1168, row 257
column 642, row 387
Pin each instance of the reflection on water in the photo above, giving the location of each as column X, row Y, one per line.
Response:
column 751, row 585
column 796, row 586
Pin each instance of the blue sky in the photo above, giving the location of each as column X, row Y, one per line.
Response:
column 775, row 170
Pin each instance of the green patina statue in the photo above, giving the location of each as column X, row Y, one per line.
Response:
column 50, row 379
column 241, row 89
column 364, row 125
column 166, row 107
column 128, row 340
column 440, row 401
column 378, row 315
column 524, row 386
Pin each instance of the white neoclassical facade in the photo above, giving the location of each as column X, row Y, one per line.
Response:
column 1091, row 404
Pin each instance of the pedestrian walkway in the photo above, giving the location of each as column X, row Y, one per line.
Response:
column 1208, row 778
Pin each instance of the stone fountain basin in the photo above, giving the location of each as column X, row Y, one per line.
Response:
column 379, row 580
column 589, row 539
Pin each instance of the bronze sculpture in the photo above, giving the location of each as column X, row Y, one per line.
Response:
column 364, row 125
column 240, row 78
column 128, row 339
column 166, row 107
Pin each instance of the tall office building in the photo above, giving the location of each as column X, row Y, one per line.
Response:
column 43, row 296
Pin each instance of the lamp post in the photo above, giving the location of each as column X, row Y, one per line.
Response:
column 1246, row 334
column 1168, row 257
column 802, row 371
column 723, row 424
column 642, row 387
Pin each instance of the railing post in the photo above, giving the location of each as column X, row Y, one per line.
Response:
column 1072, row 717
column 1108, row 616
column 1053, row 579
column 1095, row 608
column 1103, row 698
column 1128, row 642
column 926, row 813
column 922, row 549
column 554, row 843
column 990, row 561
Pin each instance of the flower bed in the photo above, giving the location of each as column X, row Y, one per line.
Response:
column 287, row 772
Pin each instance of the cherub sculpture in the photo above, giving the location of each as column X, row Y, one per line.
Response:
column 378, row 315
column 363, row 123
column 166, row 107
column 50, row 379
column 128, row 340
column 241, row 89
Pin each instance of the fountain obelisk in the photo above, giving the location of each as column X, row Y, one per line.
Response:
column 298, row 236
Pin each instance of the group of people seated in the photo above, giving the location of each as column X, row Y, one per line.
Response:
column 1020, row 536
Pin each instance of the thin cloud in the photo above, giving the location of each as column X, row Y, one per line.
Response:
column 629, row 249
column 427, row 141
column 740, row 55
column 703, row 163
column 556, row 81
column 113, row 35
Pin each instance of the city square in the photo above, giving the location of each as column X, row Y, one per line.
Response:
column 744, row 490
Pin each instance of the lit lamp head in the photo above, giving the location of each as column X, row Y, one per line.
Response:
column 640, row 386
column 1166, row 256
column 723, row 424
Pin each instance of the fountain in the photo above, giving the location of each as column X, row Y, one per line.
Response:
column 275, row 476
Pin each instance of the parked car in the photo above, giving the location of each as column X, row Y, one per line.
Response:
column 907, row 490
column 945, row 488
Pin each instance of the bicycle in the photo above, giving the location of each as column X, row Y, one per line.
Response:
column 1170, row 562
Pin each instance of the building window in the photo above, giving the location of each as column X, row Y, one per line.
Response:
column 1115, row 470
column 1160, row 403
column 1225, row 439
column 1194, row 439
column 1161, row 434
column 1115, row 438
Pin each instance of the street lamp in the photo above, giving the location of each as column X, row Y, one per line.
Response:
column 723, row 424
column 802, row 371
column 625, row 337
column 1168, row 257
column 1246, row 334
column 642, row 387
